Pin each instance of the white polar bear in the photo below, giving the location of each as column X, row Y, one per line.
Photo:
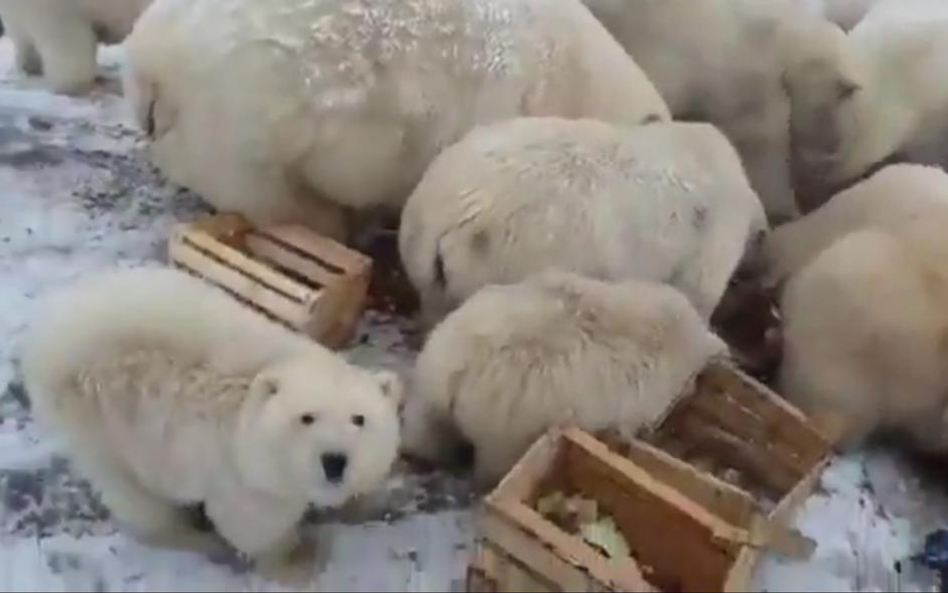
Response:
column 865, row 328
column 893, row 195
column 901, row 113
column 169, row 392
column 287, row 109
column 556, row 349
column 667, row 202
column 763, row 71
column 59, row 38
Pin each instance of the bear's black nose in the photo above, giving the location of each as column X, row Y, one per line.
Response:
column 334, row 466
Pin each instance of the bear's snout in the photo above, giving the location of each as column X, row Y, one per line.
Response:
column 334, row 466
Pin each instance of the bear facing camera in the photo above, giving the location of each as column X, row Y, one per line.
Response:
column 169, row 393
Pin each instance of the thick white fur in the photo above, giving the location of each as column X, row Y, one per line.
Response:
column 865, row 328
column 893, row 195
column 667, row 202
column 168, row 391
column 764, row 71
column 556, row 349
column 902, row 111
column 286, row 109
column 59, row 38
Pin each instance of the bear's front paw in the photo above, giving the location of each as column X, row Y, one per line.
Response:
column 290, row 566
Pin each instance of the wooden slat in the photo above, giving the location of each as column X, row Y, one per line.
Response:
column 274, row 303
column 786, row 421
column 241, row 264
column 677, row 539
column 553, row 553
column 264, row 247
column 521, row 482
column 307, row 282
column 724, row 500
column 350, row 261
column 499, row 567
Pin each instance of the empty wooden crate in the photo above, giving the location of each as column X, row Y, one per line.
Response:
column 305, row 281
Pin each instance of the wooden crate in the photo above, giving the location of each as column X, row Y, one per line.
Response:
column 689, row 529
column 726, row 419
column 305, row 281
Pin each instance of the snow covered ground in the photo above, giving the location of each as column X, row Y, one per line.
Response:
column 76, row 195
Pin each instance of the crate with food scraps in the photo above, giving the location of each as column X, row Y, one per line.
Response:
column 580, row 513
column 292, row 275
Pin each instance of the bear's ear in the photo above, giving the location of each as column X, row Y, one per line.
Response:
column 265, row 386
column 847, row 88
column 391, row 385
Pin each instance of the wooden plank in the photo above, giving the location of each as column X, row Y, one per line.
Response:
column 348, row 261
column 690, row 537
column 317, row 275
column 509, row 573
column 521, row 482
column 760, row 468
column 726, row 501
column 240, row 263
column 786, row 421
column 227, row 227
column 243, row 287
column 539, row 545
column 306, row 290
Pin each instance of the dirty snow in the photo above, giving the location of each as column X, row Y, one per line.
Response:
column 77, row 195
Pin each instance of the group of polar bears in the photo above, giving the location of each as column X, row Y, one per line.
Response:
column 577, row 184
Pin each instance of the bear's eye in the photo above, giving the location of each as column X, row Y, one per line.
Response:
column 307, row 419
column 359, row 420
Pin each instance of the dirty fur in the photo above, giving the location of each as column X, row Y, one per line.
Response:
column 667, row 202
column 308, row 109
column 555, row 349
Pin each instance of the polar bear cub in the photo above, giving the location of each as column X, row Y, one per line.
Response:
column 865, row 328
column 893, row 195
column 59, row 38
column 168, row 392
column 555, row 349
column 667, row 202
column 290, row 109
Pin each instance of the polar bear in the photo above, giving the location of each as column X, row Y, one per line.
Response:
column 901, row 113
column 893, row 195
column 555, row 349
column 865, row 328
column 169, row 392
column 59, row 38
column 289, row 109
column 764, row 71
column 667, row 202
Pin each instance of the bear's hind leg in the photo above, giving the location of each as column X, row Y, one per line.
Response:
column 68, row 53
column 27, row 58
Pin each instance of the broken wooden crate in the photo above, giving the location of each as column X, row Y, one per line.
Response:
column 688, row 529
column 303, row 280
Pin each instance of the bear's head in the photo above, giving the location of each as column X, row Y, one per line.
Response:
column 823, row 79
column 320, row 428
